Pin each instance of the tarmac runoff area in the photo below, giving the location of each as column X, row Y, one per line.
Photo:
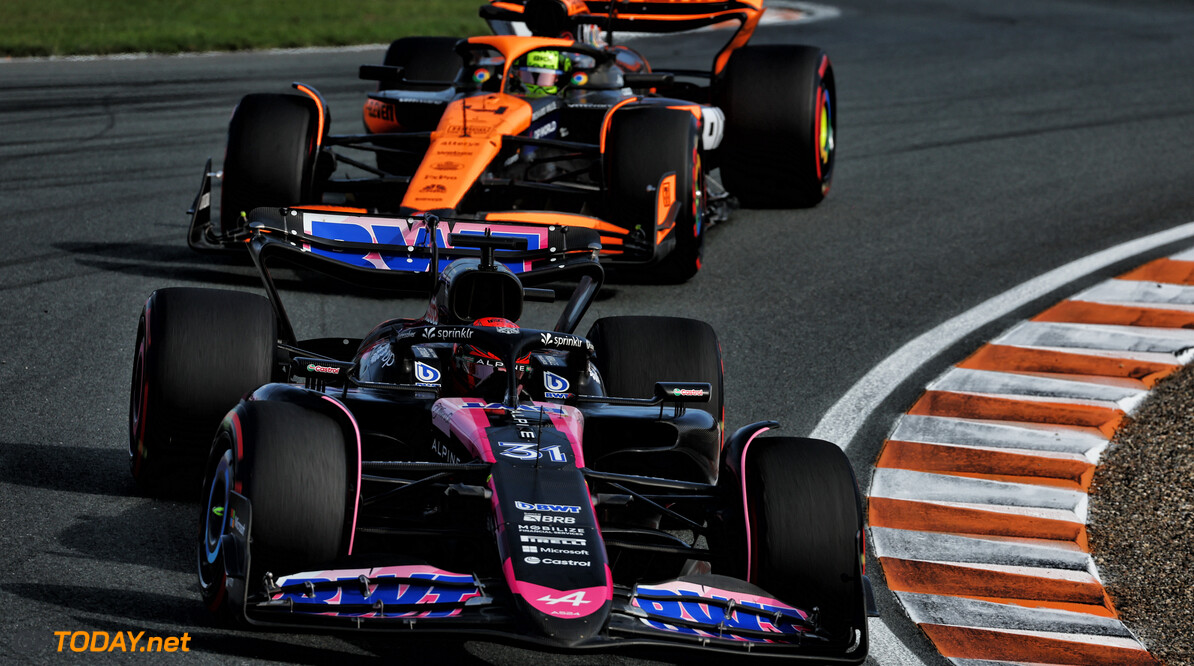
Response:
column 978, row 504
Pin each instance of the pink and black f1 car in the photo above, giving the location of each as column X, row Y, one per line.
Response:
column 460, row 472
column 493, row 128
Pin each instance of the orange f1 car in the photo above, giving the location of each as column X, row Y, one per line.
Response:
column 558, row 127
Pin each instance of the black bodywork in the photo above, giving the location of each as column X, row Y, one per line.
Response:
column 624, row 502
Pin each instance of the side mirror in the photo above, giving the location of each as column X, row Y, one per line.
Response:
column 383, row 73
column 677, row 392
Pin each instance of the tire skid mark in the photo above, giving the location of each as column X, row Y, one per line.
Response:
column 978, row 503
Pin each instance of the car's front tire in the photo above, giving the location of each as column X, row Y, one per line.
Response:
column 655, row 183
column 291, row 464
column 804, row 522
column 270, row 157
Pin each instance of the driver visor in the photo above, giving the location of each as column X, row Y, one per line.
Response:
column 539, row 76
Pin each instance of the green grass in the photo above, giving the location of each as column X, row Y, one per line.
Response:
column 75, row 27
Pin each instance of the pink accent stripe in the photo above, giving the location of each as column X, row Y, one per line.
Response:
column 745, row 504
column 236, row 428
column 817, row 131
column 356, row 507
column 549, row 601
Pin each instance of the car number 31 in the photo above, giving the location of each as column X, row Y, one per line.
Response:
column 530, row 451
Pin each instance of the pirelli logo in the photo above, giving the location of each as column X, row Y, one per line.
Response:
column 555, row 541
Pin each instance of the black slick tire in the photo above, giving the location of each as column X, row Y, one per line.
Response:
column 197, row 352
column 780, row 103
column 270, row 156
column 421, row 59
column 805, row 520
column 293, row 470
column 653, row 171
column 634, row 352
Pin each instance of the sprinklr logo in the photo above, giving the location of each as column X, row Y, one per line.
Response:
column 433, row 333
column 562, row 340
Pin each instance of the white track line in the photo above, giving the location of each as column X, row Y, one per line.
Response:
column 844, row 419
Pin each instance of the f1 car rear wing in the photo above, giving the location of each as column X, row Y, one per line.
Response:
column 552, row 18
column 406, row 254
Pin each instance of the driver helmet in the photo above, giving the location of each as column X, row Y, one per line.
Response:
column 542, row 72
column 480, row 368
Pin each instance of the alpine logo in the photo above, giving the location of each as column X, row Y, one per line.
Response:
column 576, row 599
column 555, row 383
column 426, row 374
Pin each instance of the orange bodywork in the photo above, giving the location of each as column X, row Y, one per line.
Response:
column 380, row 117
column 609, row 244
column 666, row 207
column 469, row 136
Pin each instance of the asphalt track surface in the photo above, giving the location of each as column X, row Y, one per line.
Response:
column 980, row 145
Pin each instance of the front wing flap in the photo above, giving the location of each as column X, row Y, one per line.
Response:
column 679, row 613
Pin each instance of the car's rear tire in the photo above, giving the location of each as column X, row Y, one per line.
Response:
column 648, row 150
column 780, row 103
column 634, row 352
column 197, row 352
column 270, row 157
column 805, row 520
column 293, row 470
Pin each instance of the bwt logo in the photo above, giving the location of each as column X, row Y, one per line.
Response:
column 555, row 383
column 426, row 373
column 401, row 236
column 554, row 508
